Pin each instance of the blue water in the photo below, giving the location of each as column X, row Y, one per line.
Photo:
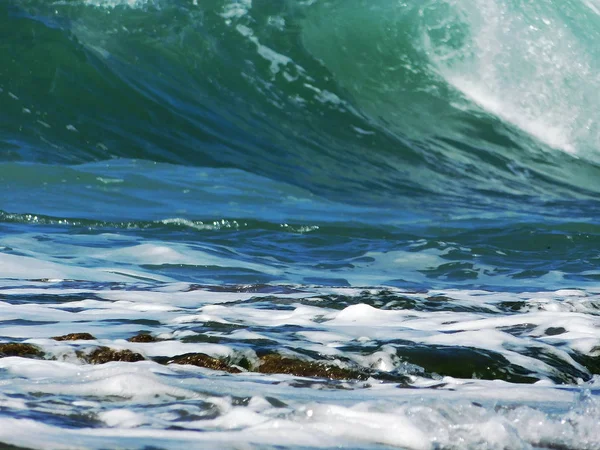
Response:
column 317, row 149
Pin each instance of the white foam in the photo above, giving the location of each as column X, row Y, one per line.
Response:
column 413, row 426
column 41, row 260
column 114, row 3
column 525, row 64
column 122, row 418
column 594, row 5
column 173, row 348
column 157, row 254
column 236, row 9
column 123, row 383
column 276, row 59
column 139, row 403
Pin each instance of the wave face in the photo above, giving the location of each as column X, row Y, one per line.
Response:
column 300, row 224
column 379, row 103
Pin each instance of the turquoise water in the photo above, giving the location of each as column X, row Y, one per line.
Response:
column 409, row 188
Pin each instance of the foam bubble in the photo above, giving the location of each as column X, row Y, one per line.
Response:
column 114, row 3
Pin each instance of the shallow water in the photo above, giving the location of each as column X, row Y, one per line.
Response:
column 404, row 193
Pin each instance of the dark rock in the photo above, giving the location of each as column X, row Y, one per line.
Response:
column 438, row 298
column 142, row 337
column 275, row 363
column 18, row 349
column 554, row 331
column 103, row 355
column 202, row 360
column 75, row 337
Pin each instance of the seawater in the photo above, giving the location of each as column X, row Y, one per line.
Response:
column 403, row 190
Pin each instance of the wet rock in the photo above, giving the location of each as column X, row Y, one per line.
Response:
column 75, row 337
column 18, row 349
column 554, row 331
column 438, row 298
column 203, row 360
column 103, row 355
column 142, row 337
column 275, row 363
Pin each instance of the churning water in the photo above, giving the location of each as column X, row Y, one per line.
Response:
column 335, row 223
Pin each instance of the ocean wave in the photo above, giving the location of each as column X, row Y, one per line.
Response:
column 376, row 103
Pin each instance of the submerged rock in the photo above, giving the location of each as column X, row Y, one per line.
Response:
column 142, row 337
column 103, row 355
column 275, row 363
column 203, row 360
column 19, row 349
column 271, row 364
column 75, row 337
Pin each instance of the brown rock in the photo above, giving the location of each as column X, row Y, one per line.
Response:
column 18, row 349
column 202, row 360
column 103, row 355
column 75, row 337
column 275, row 363
column 142, row 337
